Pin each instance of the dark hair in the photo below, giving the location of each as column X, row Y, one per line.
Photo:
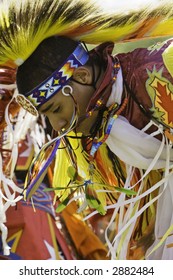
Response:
column 49, row 55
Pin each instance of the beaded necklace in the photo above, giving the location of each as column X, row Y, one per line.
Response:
column 109, row 117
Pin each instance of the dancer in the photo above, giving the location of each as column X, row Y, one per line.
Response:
column 113, row 118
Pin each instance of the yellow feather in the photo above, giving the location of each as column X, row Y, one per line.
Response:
column 25, row 23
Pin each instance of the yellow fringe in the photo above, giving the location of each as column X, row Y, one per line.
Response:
column 62, row 162
column 26, row 23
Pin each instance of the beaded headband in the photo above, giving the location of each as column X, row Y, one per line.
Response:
column 49, row 87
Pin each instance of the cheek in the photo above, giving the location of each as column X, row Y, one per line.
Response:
column 68, row 108
column 82, row 99
column 82, row 107
column 56, row 122
column 62, row 119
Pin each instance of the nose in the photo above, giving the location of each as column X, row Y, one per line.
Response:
column 57, row 124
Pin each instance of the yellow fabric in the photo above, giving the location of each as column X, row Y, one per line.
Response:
column 168, row 58
column 86, row 242
column 60, row 178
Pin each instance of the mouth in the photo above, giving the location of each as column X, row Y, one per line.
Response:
column 74, row 124
column 69, row 126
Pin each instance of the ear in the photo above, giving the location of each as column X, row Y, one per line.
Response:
column 82, row 75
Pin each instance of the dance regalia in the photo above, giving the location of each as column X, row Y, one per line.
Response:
column 148, row 84
column 144, row 122
column 35, row 235
column 34, row 224
column 140, row 161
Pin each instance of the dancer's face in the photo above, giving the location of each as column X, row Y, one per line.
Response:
column 60, row 108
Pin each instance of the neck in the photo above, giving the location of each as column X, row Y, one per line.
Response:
column 104, row 86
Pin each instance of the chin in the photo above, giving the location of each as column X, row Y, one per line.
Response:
column 83, row 126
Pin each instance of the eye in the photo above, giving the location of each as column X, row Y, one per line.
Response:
column 56, row 110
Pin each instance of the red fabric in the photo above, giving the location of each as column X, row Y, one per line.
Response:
column 35, row 229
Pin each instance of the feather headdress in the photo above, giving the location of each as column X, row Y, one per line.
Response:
column 25, row 23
